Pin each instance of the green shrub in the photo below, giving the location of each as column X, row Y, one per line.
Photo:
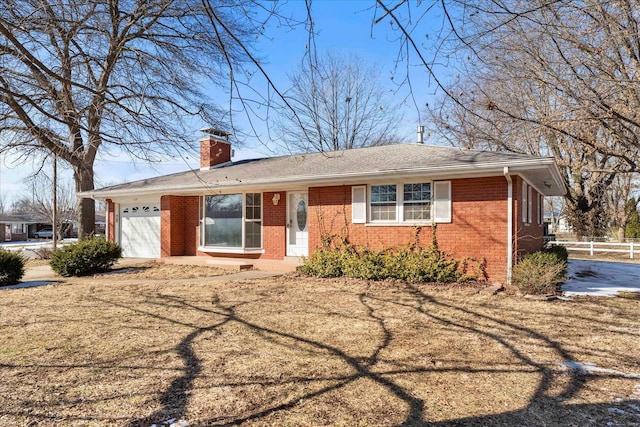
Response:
column 559, row 251
column 323, row 263
column 539, row 272
column 412, row 263
column 11, row 267
column 85, row 257
column 363, row 264
column 415, row 264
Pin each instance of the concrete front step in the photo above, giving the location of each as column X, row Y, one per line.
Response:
column 237, row 264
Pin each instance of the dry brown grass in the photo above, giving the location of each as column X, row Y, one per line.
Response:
column 117, row 350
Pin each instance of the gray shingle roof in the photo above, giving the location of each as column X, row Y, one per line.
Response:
column 340, row 167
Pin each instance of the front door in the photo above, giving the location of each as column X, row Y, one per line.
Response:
column 297, row 224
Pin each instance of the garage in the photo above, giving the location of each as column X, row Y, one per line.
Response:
column 140, row 230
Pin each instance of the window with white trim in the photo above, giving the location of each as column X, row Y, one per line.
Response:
column 232, row 221
column 383, row 203
column 18, row 228
column 417, row 202
column 411, row 202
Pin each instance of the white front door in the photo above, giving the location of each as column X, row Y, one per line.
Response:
column 297, row 224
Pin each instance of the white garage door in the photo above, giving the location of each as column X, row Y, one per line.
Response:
column 140, row 230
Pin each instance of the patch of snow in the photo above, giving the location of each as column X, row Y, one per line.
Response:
column 601, row 278
column 172, row 423
column 590, row 368
column 617, row 411
column 30, row 284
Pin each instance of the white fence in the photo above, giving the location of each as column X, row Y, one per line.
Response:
column 630, row 248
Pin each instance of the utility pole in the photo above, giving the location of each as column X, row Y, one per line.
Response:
column 54, row 237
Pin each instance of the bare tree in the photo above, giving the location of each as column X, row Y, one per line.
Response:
column 337, row 102
column 554, row 78
column 79, row 78
column 41, row 202
column 621, row 204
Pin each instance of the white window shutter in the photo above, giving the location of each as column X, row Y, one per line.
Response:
column 442, row 201
column 359, row 204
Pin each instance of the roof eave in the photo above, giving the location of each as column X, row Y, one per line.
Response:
column 277, row 184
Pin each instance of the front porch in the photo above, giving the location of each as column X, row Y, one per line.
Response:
column 286, row 265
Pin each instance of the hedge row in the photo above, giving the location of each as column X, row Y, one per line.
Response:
column 411, row 263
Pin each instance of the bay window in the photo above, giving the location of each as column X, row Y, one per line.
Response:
column 232, row 221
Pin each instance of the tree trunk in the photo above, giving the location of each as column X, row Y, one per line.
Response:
column 83, row 176
column 621, row 233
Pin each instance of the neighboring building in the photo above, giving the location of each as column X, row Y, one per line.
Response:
column 557, row 224
column 484, row 204
column 17, row 228
column 21, row 227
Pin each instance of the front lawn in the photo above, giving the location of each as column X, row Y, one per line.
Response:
column 128, row 351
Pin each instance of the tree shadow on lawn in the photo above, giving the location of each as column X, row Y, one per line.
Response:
column 548, row 403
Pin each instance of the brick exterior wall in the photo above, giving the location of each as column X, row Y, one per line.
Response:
column 179, row 225
column 478, row 228
column 274, row 221
column 111, row 220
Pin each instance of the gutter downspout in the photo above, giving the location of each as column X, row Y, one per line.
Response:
column 509, row 223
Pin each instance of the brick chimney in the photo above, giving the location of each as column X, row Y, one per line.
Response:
column 215, row 148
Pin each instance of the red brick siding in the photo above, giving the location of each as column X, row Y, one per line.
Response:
column 111, row 220
column 179, row 220
column 274, row 220
column 478, row 228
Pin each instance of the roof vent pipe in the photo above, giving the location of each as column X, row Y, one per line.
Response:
column 420, row 134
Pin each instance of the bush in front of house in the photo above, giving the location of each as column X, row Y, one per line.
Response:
column 411, row 263
column 86, row 257
column 559, row 251
column 324, row 263
column 417, row 264
column 540, row 273
column 11, row 267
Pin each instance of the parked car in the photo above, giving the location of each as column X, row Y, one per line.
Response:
column 45, row 233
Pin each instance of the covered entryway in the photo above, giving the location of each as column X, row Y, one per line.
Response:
column 297, row 224
column 140, row 230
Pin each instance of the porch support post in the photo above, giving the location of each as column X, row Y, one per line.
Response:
column 509, row 224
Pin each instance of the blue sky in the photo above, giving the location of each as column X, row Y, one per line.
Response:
column 341, row 25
